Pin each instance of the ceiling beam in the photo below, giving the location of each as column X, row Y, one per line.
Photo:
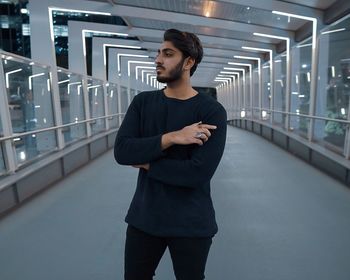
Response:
column 205, row 39
column 337, row 11
column 128, row 11
column 282, row 6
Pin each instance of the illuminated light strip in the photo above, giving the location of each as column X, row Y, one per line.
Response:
column 250, row 74
column 93, row 86
column 118, row 58
column 69, row 85
column 287, row 39
column 305, row 45
column 48, row 85
column 119, row 55
column 143, row 72
column 147, row 77
column 243, row 79
column 31, row 77
column 256, row 49
column 227, row 72
column 262, row 50
column 64, row 81
column 9, row 73
column 153, row 79
column 223, row 79
column 138, row 62
column 313, row 67
column 83, row 31
column 80, row 11
column 333, row 31
column 51, row 9
column 144, row 67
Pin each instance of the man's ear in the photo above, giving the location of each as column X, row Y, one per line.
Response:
column 189, row 62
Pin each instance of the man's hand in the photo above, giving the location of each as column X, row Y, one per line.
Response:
column 196, row 133
column 144, row 166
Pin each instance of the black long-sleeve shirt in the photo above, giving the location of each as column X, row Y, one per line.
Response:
column 173, row 197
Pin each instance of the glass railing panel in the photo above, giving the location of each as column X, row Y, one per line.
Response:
column 266, row 93
column 96, row 104
column 279, row 119
column 112, row 101
column 72, row 105
column 124, row 99
column 280, row 89
column 29, row 94
column 266, row 86
column 247, row 97
column 132, row 94
column 256, row 113
column 333, row 85
column 299, row 125
column 330, row 134
column 34, row 145
column 301, row 78
column 30, row 104
column 2, row 161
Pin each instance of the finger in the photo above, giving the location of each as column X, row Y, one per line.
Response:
column 204, row 138
column 208, row 126
column 198, row 123
column 206, row 132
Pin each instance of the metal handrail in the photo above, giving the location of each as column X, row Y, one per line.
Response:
column 305, row 116
column 15, row 135
column 24, row 59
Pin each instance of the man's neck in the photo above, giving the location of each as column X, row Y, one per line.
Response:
column 180, row 90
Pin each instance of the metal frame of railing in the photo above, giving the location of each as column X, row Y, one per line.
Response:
column 6, row 141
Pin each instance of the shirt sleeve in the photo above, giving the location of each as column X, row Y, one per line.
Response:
column 130, row 148
column 200, row 168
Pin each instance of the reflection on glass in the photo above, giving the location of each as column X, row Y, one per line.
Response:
column 112, row 94
column 29, row 95
column 247, row 97
column 280, row 89
column 124, row 100
column 30, row 105
column 333, row 83
column 2, row 161
column 298, row 122
column 301, row 81
column 132, row 94
column 266, row 91
column 256, row 112
column 330, row 134
column 96, row 104
column 72, row 105
column 266, row 85
column 32, row 146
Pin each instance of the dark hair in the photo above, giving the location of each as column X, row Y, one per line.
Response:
column 187, row 43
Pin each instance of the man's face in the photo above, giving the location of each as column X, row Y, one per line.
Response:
column 169, row 63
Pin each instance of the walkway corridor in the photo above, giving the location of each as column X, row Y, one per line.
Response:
column 279, row 219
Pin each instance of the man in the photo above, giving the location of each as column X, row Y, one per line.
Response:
column 176, row 137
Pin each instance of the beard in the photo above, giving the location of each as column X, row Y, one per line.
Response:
column 174, row 74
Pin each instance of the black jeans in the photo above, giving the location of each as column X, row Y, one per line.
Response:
column 143, row 253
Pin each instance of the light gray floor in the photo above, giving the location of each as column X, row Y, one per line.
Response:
column 279, row 219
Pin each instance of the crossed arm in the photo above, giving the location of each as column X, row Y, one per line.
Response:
column 149, row 152
column 196, row 133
